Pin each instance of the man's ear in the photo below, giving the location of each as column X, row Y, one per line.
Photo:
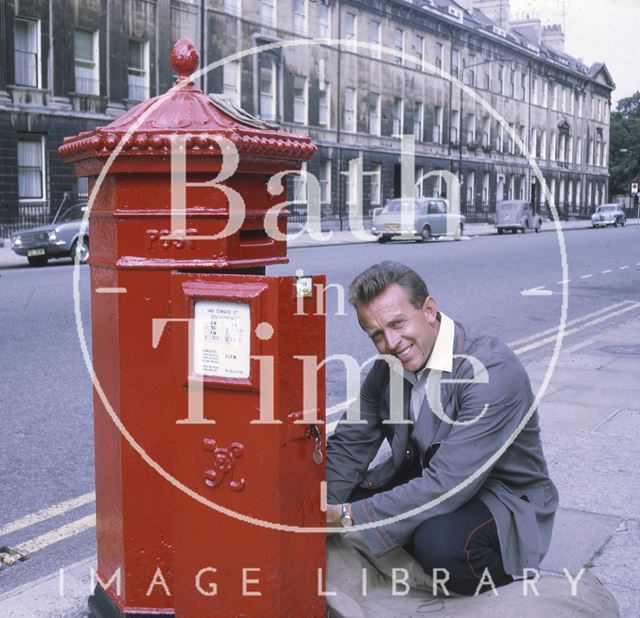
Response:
column 430, row 309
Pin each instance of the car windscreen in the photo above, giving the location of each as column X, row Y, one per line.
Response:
column 397, row 205
column 73, row 214
column 509, row 205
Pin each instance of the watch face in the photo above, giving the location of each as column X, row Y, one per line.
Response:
column 346, row 520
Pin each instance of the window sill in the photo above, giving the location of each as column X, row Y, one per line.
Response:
column 28, row 95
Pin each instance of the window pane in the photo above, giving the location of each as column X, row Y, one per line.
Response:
column 299, row 99
column 323, row 20
column 324, row 108
column 84, row 45
column 26, row 56
column 267, row 89
column 30, row 169
column 136, row 55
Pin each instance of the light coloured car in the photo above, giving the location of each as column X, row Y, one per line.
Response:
column 516, row 215
column 60, row 238
column 608, row 214
column 416, row 219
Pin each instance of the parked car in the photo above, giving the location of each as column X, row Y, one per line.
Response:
column 608, row 214
column 416, row 218
column 60, row 238
column 516, row 215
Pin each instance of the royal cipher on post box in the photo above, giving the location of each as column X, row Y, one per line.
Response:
column 208, row 465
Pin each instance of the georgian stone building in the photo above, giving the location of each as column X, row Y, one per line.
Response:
column 355, row 75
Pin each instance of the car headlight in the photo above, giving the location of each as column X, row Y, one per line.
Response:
column 16, row 241
column 53, row 236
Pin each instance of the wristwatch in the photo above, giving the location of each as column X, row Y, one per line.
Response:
column 345, row 516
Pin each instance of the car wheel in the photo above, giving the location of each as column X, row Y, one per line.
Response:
column 425, row 234
column 537, row 227
column 383, row 239
column 615, row 223
column 500, row 230
column 514, row 230
column 459, row 233
column 83, row 250
column 38, row 260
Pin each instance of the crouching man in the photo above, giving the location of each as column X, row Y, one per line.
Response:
column 466, row 486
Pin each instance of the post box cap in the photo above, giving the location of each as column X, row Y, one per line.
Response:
column 147, row 129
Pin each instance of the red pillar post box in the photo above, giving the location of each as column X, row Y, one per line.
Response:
column 203, row 468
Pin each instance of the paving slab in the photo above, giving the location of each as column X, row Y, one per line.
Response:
column 565, row 417
column 610, row 396
column 628, row 600
column 623, row 423
column 577, row 537
column 595, row 472
column 45, row 598
column 619, row 560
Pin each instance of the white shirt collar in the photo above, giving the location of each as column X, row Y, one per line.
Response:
column 441, row 357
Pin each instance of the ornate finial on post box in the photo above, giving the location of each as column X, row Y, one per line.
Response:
column 184, row 59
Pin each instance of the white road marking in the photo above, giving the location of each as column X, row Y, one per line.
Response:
column 111, row 290
column 572, row 331
column 47, row 513
column 536, row 292
column 604, row 272
column 554, row 329
column 586, row 276
column 563, row 281
column 582, row 344
column 59, row 534
column 623, row 267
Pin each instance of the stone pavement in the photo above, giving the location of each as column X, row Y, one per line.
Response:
column 590, row 418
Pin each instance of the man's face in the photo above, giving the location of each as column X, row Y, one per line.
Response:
column 396, row 327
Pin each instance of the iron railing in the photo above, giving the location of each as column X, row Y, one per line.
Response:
column 28, row 214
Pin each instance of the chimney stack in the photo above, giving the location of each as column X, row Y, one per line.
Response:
column 553, row 37
column 530, row 28
column 496, row 10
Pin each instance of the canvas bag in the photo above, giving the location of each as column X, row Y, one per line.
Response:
column 348, row 556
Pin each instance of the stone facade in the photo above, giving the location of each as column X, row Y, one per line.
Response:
column 354, row 75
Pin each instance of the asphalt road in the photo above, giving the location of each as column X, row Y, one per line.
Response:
column 46, row 455
column 481, row 281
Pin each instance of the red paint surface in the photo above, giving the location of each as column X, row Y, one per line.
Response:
column 143, row 522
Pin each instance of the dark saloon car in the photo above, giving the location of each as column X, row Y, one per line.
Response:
column 516, row 215
column 61, row 238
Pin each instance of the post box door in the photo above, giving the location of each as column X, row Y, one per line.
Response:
column 247, row 461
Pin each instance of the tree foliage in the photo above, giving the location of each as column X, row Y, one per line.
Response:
column 624, row 153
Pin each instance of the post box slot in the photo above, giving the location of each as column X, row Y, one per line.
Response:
column 254, row 237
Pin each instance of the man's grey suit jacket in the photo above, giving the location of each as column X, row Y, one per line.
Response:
column 496, row 455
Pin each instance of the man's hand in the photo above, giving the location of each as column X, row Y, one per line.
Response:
column 334, row 512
